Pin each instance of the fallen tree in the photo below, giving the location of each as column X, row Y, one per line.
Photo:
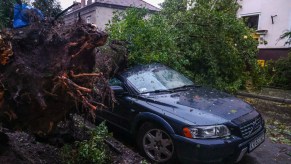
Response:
column 47, row 70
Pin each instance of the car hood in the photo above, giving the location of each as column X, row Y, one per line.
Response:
column 200, row 105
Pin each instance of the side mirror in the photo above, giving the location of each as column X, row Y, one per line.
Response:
column 118, row 90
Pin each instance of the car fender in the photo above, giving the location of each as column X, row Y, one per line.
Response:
column 153, row 118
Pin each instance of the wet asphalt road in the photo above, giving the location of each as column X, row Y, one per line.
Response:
column 269, row 153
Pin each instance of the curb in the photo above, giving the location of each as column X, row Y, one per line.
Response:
column 263, row 97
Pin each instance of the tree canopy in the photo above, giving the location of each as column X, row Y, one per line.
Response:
column 286, row 35
column 50, row 8
column 202, row 38
column 6, row 13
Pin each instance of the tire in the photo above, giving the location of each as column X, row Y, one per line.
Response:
column 156, row 144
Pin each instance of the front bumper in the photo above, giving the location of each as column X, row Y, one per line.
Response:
column 212, row 150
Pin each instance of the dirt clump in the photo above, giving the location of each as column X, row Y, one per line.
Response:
column 46, row 69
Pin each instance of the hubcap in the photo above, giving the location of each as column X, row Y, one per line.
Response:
column 158, row 145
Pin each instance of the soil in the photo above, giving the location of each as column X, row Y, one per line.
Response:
column 121, row 154
column 23, row 148
column 53, row 68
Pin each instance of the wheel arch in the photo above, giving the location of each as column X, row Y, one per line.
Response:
column 144, row 117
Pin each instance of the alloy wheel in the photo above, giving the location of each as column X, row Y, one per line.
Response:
column 158, row 145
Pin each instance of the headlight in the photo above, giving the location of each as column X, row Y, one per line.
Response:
column 215, row 131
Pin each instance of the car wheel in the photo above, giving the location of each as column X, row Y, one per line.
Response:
column 155, row 143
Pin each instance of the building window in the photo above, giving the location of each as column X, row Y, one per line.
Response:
column 252, row 21
column 88, row 19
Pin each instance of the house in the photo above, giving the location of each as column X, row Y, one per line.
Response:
column 100, row 12
column 270, row 19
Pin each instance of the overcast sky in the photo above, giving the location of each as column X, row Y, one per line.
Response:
column 67, row 3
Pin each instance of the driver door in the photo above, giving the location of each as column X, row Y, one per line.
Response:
column 122, row 113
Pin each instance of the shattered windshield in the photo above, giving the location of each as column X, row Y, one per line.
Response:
column 157, row 79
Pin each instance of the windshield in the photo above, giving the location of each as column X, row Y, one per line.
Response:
column 157, row 78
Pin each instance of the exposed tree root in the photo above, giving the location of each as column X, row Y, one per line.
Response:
column 46, row 70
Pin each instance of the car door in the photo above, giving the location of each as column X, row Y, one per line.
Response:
column 122, row 113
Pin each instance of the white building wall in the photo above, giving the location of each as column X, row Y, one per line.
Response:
column 266, row 9
column 103, row 16
column 249, row 7
column 100, row 16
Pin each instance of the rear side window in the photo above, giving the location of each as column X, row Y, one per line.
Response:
column 115, row 82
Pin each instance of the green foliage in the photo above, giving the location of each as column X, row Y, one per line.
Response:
column 149, row 39
column 206, row 42
column 172, row 8
column 50, row 8
column 219, row 47
column 279, row 72
column 6, row 13
column 89, row 151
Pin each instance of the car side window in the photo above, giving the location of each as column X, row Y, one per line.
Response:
column 115, row 82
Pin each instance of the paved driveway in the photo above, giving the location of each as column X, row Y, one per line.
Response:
column 269, row 153
column 278, row 123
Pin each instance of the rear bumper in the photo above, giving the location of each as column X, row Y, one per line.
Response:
column 212, row 150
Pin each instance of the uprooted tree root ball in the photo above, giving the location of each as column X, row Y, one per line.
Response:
column 48, row 70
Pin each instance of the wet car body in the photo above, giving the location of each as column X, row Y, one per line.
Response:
column 190, row 106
